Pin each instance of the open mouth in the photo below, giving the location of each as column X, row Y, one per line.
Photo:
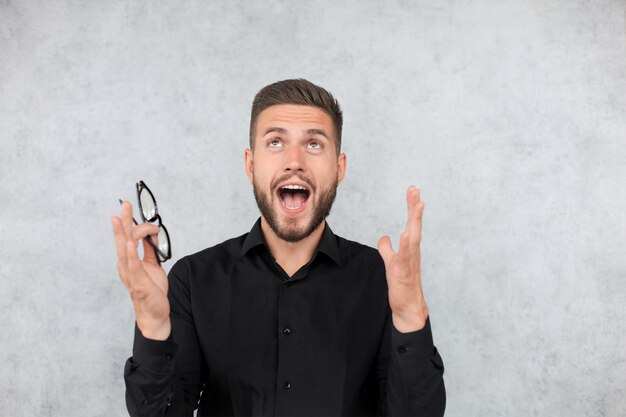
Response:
column 293, row 196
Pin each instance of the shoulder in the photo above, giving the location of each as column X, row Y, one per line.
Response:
column 364, row 270
column 220, row 256
column 359, row 254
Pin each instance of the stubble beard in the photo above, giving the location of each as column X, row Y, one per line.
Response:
column 291, row 232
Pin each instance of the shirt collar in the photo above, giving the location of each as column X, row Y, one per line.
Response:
column 328, row 242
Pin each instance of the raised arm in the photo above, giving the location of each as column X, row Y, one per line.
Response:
column 145, row 279
column 165, row 374
column 414, row 385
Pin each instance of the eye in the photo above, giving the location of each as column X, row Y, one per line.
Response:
column 274, row 143
column 314, row 145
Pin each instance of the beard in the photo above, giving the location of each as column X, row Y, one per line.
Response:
column 291, row 232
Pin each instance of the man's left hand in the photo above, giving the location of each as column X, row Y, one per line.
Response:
column 404, row 278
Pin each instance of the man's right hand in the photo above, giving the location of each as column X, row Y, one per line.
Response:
column 145, row 280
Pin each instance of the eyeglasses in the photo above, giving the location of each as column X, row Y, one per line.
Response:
column 150, row 214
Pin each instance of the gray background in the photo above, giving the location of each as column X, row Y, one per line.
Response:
column 510, row 115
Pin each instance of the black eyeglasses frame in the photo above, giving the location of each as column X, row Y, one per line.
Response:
column 160, row 256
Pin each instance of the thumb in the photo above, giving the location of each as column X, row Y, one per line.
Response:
column 385, row 249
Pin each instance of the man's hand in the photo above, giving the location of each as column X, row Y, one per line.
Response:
column 404, row 278
column 145, row 280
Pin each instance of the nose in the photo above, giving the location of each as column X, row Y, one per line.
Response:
column 294, row 159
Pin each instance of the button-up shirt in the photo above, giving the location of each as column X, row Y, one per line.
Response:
column 249, row 340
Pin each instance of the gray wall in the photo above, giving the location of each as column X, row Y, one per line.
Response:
column 510, row 115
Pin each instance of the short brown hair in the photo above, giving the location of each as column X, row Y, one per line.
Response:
column 298, row 91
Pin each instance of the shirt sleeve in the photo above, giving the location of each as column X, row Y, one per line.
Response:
column 415, row 375
column 165, row 378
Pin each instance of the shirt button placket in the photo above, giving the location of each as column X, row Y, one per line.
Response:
column 285, row 343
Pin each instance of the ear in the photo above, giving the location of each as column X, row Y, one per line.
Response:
column 341, row 166
column 248, row 157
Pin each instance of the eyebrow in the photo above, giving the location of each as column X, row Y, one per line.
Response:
column 307, row 132
column 280, row 130
column 317, row 132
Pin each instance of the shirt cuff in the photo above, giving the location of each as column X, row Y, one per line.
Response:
column 413, row 346
column 154, row 355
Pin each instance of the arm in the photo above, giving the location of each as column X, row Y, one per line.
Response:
column 164, row 376
column 415, row 374
column 415, row 377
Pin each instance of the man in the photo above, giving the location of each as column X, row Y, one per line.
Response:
column 288, row 319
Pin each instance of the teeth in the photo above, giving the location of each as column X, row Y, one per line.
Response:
column 294, row 187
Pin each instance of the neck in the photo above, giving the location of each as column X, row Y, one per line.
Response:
column 291, row 256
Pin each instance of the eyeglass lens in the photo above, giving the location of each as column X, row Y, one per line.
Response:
column 163, row 241
column 148, row 205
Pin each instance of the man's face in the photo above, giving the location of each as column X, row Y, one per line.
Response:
column 294, row 168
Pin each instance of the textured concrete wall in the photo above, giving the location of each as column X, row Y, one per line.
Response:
column 510, row 115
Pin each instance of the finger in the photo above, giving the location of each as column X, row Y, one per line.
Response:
column 144, row 230
column 139, row 281
column 404, row 250
column 148, row 251
column 415, row 209
column 385, row 249
column 135, row 268
column 407, row 260
column 120, row 237
column 120, row 248
column 127, row 219
column 408, row 256
column 412, row 200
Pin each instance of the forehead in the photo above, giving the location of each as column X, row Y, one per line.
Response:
column 294, row 116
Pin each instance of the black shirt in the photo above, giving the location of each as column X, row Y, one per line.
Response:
column 248, row 340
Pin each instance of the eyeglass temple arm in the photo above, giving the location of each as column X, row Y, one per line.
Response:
column 149, row 239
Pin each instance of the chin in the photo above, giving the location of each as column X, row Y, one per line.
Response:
column 294, row 229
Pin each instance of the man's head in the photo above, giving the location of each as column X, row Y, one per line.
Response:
column 294, row 163
column 300, row 92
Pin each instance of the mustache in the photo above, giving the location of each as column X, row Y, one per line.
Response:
column 300, row 176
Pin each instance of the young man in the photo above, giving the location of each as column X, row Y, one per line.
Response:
column 288, row 319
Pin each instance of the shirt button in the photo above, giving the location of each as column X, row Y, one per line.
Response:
column 287, row 385
column 286, row 331
column 403, row 349
column 168, row 356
